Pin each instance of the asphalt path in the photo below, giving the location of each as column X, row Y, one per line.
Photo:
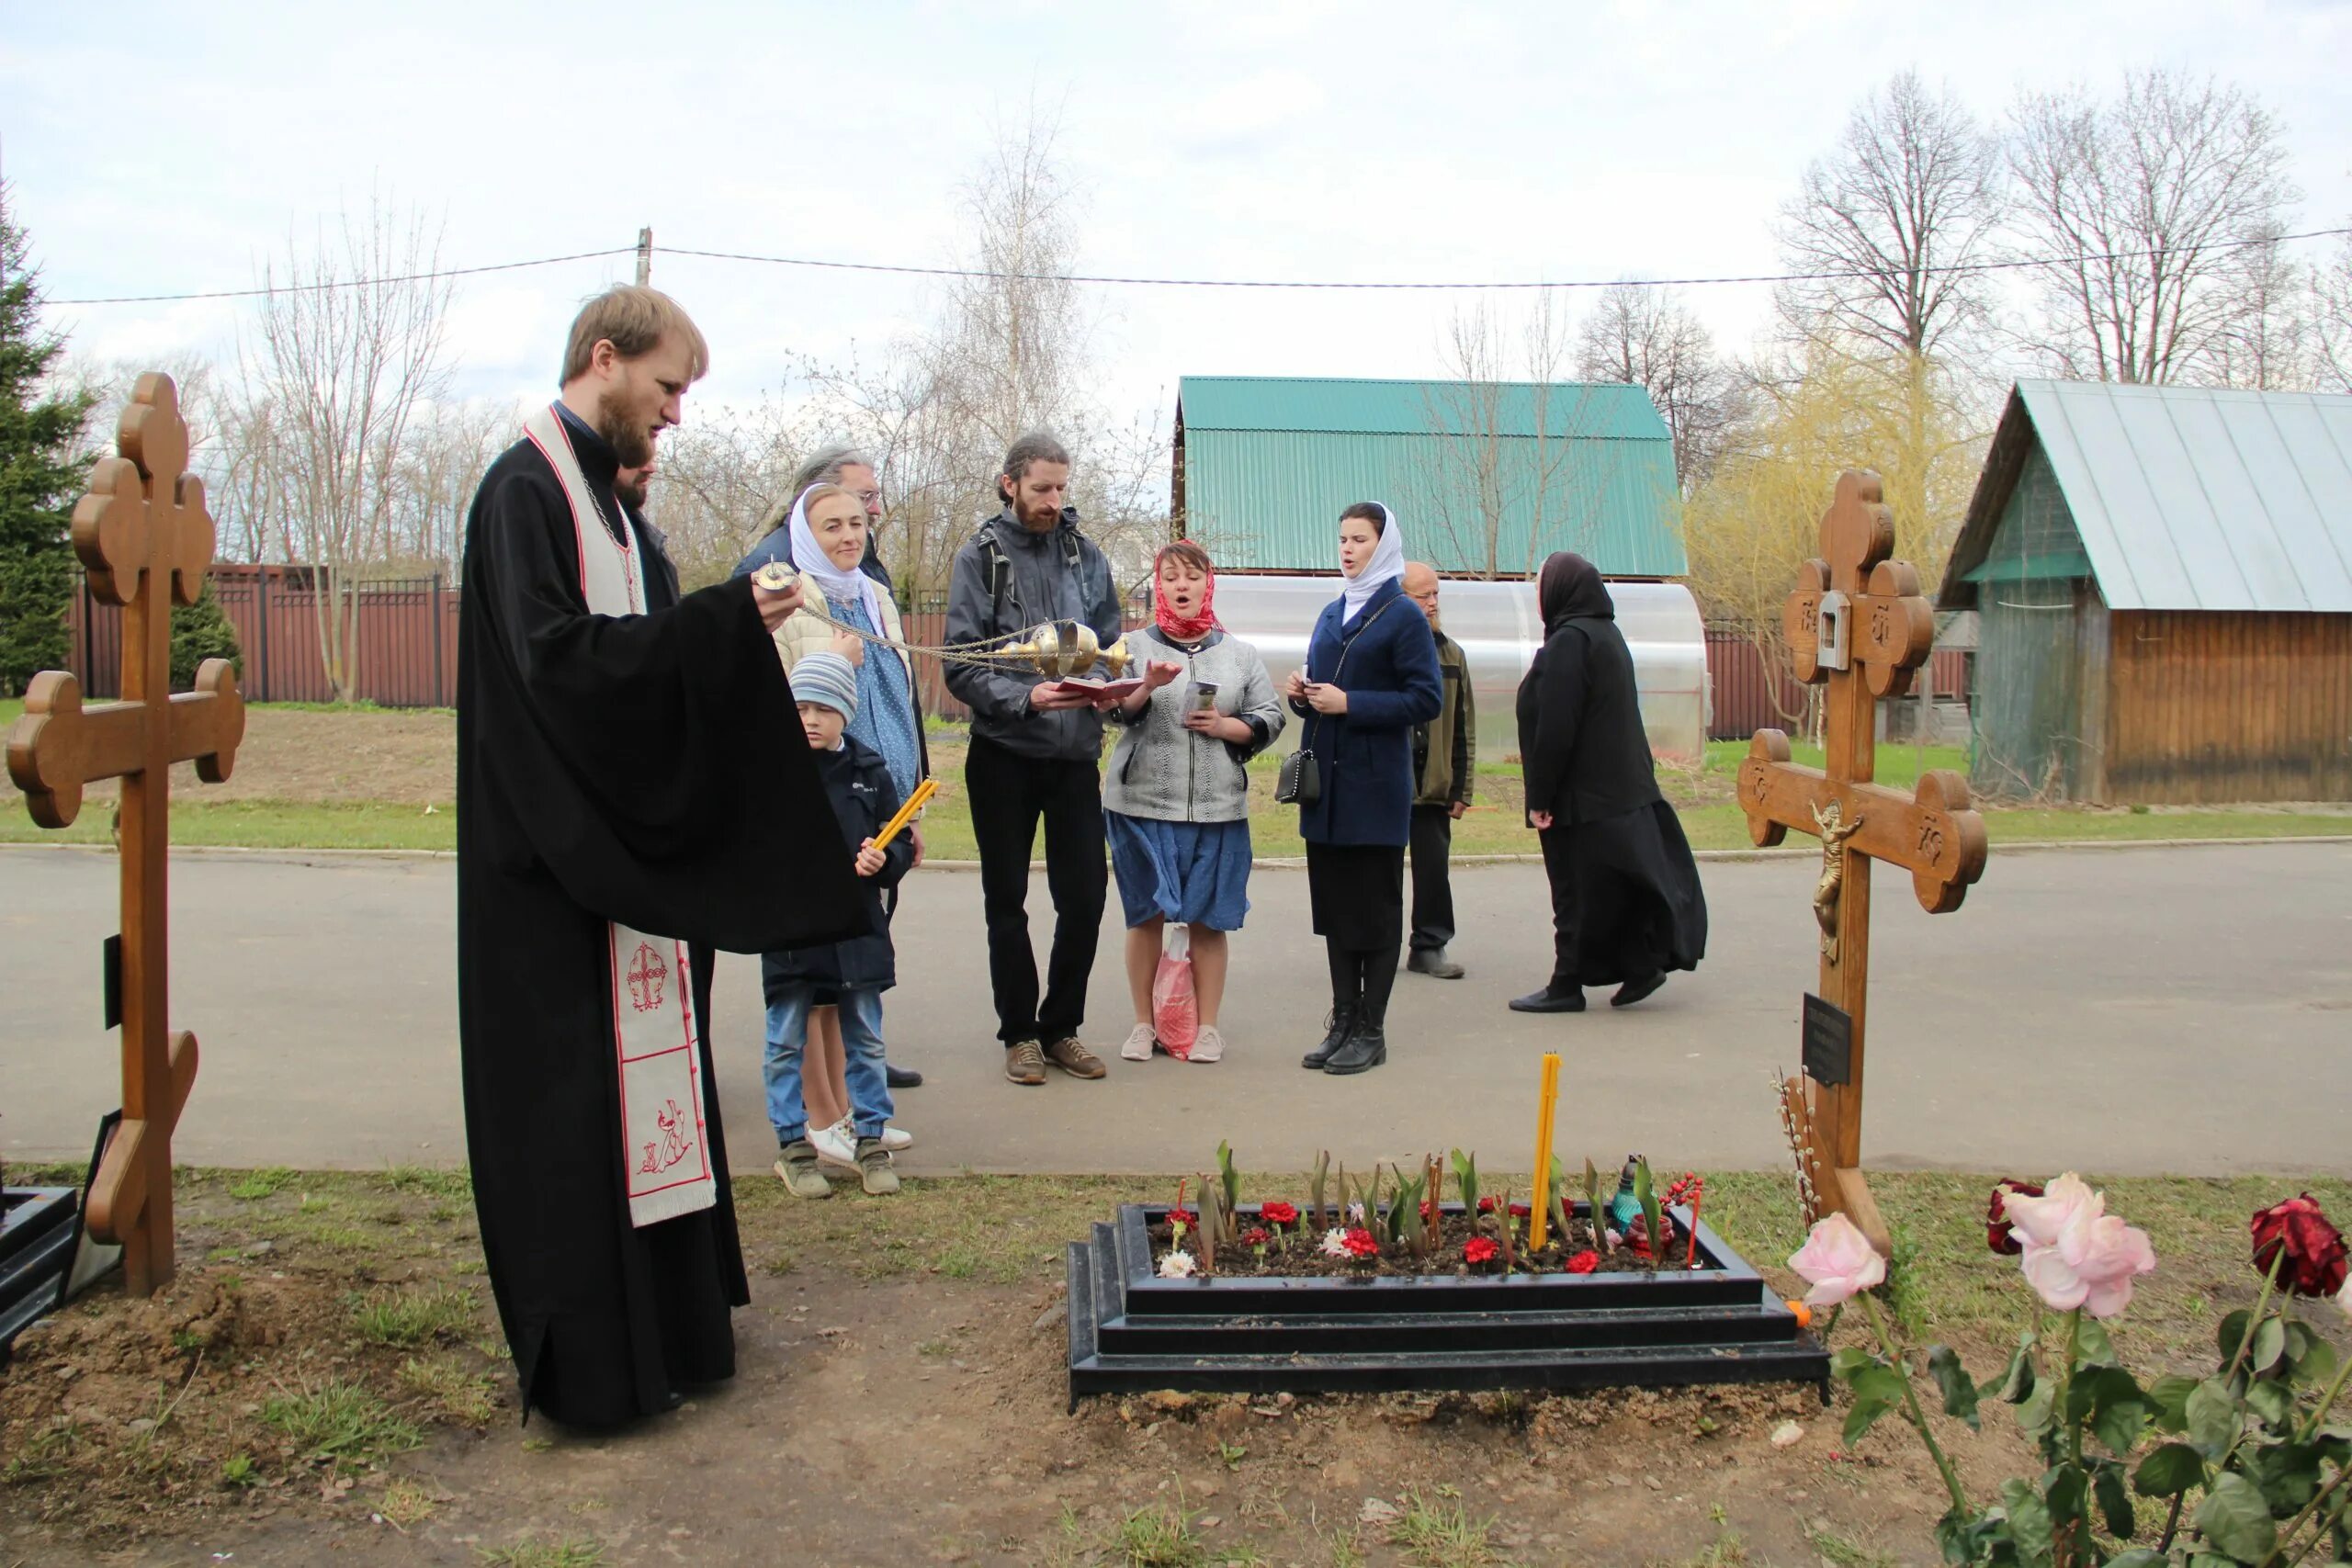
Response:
column 2139, row 1011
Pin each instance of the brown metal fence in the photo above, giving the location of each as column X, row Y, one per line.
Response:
column 1747, row 697
column 403, row 633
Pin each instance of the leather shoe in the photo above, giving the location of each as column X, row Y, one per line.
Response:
column 1549, row 1000
column 901, row 1077
column 1433, row 963
column 1365, row 1049
column 1634, row 990
column 1338, row 1026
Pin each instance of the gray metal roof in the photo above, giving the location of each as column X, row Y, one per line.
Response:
column 2187, row 498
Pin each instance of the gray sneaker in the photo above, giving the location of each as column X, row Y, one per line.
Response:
column 874, row 1172
column 797, row 1166
column 1024, row 1062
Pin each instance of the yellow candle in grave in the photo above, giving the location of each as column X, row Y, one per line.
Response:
column 1548, row 1104
column 915, row 802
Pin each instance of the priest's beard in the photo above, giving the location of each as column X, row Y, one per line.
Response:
column 625, row 432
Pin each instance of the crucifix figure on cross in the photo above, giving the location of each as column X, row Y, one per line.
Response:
column 1857, row 621
column 144, row 537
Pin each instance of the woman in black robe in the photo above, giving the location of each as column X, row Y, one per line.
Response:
column 1626, row 907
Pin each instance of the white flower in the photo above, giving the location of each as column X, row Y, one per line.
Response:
column 1355, row 1213
column 1177, row 1266
column 1335, row 1242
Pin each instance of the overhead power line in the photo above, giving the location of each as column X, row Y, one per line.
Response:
column 1119, row 280
column 343, row 282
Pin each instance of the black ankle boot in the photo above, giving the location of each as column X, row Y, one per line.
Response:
column 1365, row 1049
column 1341, row 1025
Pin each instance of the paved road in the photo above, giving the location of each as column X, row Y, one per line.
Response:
column 2123, row 1010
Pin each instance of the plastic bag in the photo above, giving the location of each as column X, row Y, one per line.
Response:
column 1175, row 1011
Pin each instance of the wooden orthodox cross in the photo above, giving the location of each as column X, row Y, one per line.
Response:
column 145, row 539
column 1857, row 621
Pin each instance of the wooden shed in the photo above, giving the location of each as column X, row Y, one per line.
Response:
column 2165, row 581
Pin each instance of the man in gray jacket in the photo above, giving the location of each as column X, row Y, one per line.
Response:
column 1035, row 754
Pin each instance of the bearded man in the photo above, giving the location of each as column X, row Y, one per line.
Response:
column 626, row 757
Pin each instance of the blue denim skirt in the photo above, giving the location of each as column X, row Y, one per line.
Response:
column 1197, row 873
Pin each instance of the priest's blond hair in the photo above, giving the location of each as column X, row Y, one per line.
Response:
column 634, row 320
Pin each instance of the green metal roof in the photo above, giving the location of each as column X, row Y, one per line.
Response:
column 1269, row 463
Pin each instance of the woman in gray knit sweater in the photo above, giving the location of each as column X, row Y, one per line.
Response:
column 1176, row 800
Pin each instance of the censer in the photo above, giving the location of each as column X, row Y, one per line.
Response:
column 1056, row 650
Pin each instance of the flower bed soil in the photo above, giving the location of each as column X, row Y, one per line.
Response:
column 1298, row 1251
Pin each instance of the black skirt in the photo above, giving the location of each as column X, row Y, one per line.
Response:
column 1625, row 898
column 1357, row 894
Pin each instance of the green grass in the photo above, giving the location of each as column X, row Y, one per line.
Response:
column 545, row 1554
column 1437, row 1532
column 262, row 824
column 465, row 1397
column 413, row 1317
column 340, row 1421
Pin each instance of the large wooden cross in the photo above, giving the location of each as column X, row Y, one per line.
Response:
column 1888, row 630
column 143, row 535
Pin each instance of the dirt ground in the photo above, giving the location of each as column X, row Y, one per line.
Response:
column 325, row 1382
column 316, row 754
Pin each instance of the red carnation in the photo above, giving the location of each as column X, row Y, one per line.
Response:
column 1584, row 1262
column 1521, row 1209
column 1279, row 1214
column 1256, row 1235
column 1996, row 1216
column 1486, row 1204
column 1359, row 1243
column 2308, row 1250
column 1186, row 1217
column 1478, row 1249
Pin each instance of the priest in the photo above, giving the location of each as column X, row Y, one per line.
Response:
column 633, row 792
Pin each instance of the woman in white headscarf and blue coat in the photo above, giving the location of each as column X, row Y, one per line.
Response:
column 1371, row 676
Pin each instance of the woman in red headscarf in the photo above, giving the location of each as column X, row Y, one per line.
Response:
column 1176, row 798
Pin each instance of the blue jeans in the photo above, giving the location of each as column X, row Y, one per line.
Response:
column 869, row 1089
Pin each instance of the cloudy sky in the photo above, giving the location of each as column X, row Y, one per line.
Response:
column 158, row 148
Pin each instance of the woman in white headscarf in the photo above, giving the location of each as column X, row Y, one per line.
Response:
column 828, row 533
column 1371, row 675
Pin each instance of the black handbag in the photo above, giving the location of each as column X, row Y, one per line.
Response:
column 1299, row 781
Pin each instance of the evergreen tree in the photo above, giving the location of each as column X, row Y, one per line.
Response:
column 41, row 474
column 201, row 631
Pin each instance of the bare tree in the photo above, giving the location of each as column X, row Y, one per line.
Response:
column 2332, row 323
column 2272, row 345
column 438, row 470
column 1511, row 437
column 1644, row 335
column 347, row 347
column 2165, row 195
column 1008, row 351
column 719, row 479
column 1912, row 196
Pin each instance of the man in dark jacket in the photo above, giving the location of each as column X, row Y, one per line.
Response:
column 1445, row 752
column 1034, row 752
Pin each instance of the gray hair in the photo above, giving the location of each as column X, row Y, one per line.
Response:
column 1037, row 446
column 825, row 469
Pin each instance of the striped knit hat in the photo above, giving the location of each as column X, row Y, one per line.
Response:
column 826, row 678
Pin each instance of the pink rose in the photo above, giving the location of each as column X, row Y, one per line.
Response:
column 1838, row 1262
column 2076, row 1254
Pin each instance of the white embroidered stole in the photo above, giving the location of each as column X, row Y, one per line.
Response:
column 665, row 1155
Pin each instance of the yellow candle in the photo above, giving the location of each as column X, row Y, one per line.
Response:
column 915, row 802
column 1548, row 1104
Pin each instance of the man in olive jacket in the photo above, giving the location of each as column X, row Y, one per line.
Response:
column 1445, row 752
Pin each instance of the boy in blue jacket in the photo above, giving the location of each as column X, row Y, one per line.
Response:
column 858, row 971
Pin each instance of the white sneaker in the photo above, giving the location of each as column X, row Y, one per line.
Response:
column 1139, row 1043
column 897, row 1138
column 835, row 1145
column 1208, row 1046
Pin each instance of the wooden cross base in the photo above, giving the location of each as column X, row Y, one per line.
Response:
column 1881, row 631
column 145, row 539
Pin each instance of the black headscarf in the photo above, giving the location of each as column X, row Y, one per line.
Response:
column 1569, row 588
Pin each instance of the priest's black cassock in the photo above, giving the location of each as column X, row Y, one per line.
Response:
column 617, row 774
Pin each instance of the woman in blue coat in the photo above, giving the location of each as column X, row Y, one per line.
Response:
column 1371, row 676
